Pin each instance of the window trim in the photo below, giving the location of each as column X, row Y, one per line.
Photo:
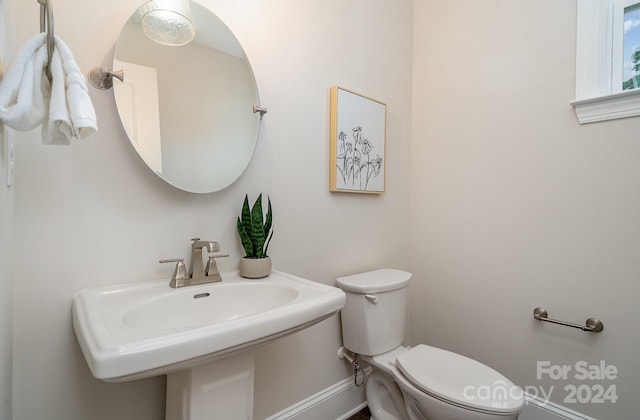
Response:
column 596, row 99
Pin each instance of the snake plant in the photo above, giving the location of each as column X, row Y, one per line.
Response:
column 254, row 229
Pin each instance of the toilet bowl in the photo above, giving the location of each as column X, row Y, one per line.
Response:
column 385, row 398
column 423, row 382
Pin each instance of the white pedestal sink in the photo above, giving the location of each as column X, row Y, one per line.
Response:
column 201, row 336
column 222, row 389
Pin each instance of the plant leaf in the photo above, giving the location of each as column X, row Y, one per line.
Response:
column 257, row 228
column 266, row 247
column 246, row 216
column 268, row 225
column 269, row 218
column 246, row 225
column 244, row 238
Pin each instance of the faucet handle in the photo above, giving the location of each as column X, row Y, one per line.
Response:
column 180, row 276
column 170, row 260
column 212, row 268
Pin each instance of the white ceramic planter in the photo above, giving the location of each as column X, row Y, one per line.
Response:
column 255, row 268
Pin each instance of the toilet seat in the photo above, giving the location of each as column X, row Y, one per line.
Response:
column 459, row 380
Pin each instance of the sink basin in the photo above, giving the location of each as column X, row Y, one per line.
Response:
column 137, row 330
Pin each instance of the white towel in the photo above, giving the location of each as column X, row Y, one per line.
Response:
column 27, row 99
column 70, row 112
column 21, row 99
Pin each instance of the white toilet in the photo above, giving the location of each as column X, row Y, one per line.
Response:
column 423, row 382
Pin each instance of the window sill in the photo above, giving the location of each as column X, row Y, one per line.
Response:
column 608, row 107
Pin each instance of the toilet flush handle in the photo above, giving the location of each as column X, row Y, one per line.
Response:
column 372, row 298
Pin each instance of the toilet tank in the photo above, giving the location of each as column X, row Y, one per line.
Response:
column 375, row 313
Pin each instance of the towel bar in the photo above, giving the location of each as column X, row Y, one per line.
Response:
column 46, row 25
column 591, row 325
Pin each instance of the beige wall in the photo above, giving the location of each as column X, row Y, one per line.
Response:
column 514, row 204
column 92, row 214
column 6, row 285
column 6, row 291
column 6, row 238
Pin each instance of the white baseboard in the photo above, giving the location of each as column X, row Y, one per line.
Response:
column 339, row 401
column 343, row 399
column 539, row 409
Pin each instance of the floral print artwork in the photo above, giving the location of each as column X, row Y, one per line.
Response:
column 358, row 134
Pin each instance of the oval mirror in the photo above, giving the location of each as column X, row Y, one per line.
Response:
column 188, row 110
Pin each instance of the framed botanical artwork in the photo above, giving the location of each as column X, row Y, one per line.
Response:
column 357, row 143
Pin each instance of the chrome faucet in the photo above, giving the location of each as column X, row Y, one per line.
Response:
column 197, row 273
column 196, row 268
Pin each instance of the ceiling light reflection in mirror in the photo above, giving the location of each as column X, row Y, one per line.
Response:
column 167, row 22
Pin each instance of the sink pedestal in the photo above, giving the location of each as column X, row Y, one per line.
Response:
column 220, row 389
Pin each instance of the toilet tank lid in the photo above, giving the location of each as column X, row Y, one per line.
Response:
column 383, row 280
